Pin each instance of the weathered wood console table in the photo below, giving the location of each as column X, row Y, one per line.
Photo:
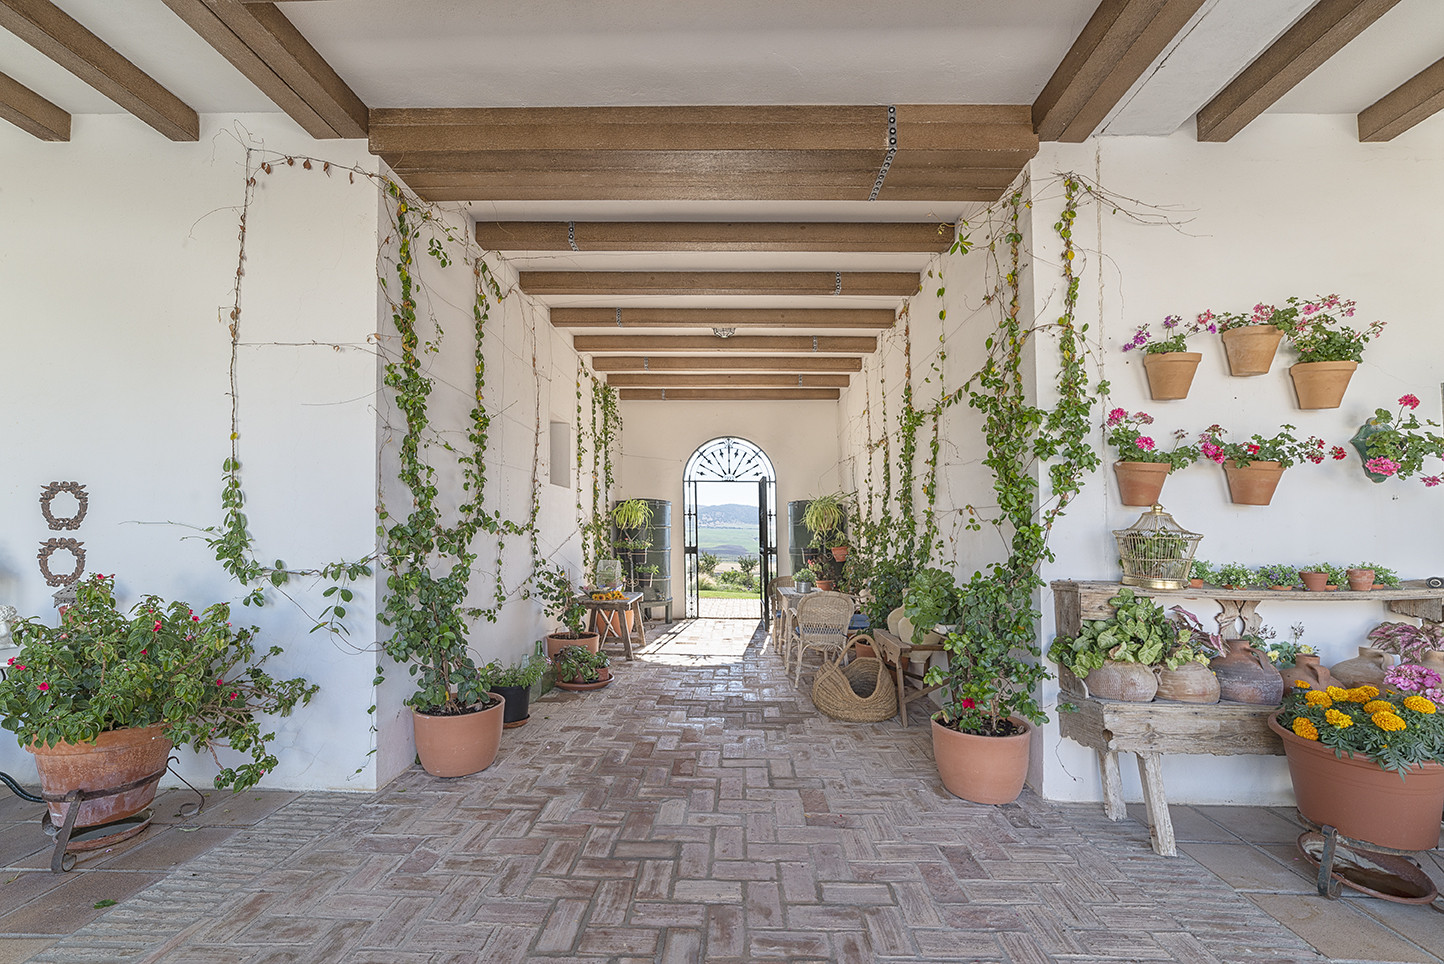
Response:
column 1150, row 730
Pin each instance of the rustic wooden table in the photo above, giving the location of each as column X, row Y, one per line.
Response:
column 631, row 602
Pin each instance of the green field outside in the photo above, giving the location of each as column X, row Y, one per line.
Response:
column 727, row 544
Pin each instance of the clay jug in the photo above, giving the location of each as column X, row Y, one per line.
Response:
column 1306, row 669
column 1245, row 674
column 1368, row 668
column 1433, row 659
column 1190, row 683
column 1130, row 682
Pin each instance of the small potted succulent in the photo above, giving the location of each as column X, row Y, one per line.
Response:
column 1142, row 466
column 1167, row 362
column 1253, row 467
column 578, row 668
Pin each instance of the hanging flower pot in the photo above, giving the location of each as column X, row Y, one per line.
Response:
column 1322, row 384
column 1252, row 484
column 1170, row 373
column 1251, row 349
column 1140, row 483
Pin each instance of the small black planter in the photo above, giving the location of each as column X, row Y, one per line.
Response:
column 518, row 708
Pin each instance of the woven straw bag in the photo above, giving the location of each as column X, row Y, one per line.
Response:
column 861, row 691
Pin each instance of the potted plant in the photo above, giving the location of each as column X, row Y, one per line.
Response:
column 578, row 668
column 101, row 698
column 1280, row 576
column 1366, row 761
column 1295, row 659
column 1394, row 447
column 1168, row 363
column 1184, row 675
column 1329, row 350
column 1383, row 575
column 1142, row 466
column 513, row 683
column 1116, row 656
column 803, row 579
column 824, row 518
column 1249, row 341
column 1253, row 468
column 559, row 598
column 1422, row 644
column 1233, row 575
column 1201, row 573
column 631, row 515
column 989, row 709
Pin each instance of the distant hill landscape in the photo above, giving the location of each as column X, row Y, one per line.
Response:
column 727, row 531
column 727, row 516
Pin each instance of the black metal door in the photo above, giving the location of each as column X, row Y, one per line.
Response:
column 690, row 558
column 766, row 541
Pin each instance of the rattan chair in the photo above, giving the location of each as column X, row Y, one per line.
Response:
column 779, row 610
column 821, row 623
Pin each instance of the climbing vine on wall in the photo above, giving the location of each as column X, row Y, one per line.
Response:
column 600, row 440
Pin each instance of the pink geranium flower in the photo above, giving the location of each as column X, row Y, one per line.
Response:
column 1144, row 442
column 1409, row 401
column 42, row 687
column 1382, row 466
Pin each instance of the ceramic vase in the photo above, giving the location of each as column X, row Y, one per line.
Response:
column 1368, row 668
column 1190, row 683
column 1307, row 669
column 1129, row 682
column 1245, row 674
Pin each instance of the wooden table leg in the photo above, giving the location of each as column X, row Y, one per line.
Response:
column 1160, row 824
column 1113, row 805
column 641, row 629
column 902, row 699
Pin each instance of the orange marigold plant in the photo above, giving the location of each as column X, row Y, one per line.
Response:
column 1397, row 730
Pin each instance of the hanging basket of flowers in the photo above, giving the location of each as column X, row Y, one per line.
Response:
column 1395, row 446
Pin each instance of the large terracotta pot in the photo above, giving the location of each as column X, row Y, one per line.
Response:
column 454, row 746
column 1306, row 669
column 1367, row 669
column 1251, row 349
column 557, row 642
column 1140, row 483
column 1190, row 683
column 982, row 769
column 1361, row 799
column 1322, row 384
column 1245, row 674
column 1170, row 373
column 113, row 759
column 1252, row 484
column 1130, row 682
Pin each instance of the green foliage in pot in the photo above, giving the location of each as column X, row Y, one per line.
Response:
column 559, row 597
column 1285, row 655
column 524, row 673
column 1407, row 641
column 804, row 575
column 886, row 580
column 577, row 664
column 1138, row 632
column 632, row 514
column 164, row 664
column 823, row 517
column 1234, row 574
column 1383, row 576
column 993, row 666
column 1277, row 574
column 1200, row 569
column 1193, row 643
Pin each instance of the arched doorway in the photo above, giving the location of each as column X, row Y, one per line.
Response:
column 730, row 474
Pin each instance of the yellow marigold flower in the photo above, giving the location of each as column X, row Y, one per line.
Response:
column 1378, row 706
column 1340, row 720
column 1363, row 694
column 1305, row 729
column 1419, row 704
column 1390, row 722
column 1301, row 684
column 1318, row 698
column 1338, row 694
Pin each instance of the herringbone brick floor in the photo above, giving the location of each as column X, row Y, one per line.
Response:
column 700, row 809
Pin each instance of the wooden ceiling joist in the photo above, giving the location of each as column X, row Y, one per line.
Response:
column 624, row 318
column 32, row 113
column 606, row 283
column 1315, row 37
column 816, row 344
column 261, row 43
column 728, row 394
column 725, row 380
column 60, row 37
column 943, row 152
column 713, row 236
column 1119, row 42
column 1418, row 98
column 716, row 362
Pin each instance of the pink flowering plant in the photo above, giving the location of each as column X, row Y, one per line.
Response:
column 1173, row 335
column 164, row 664
column 1407, row 641
column 1395, row 446
column 1282, row 448
column 1319, row 333
column 1125, row 431
column 1282, row 319
column 1416, row 679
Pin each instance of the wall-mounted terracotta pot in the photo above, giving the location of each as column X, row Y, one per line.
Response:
column 1251, row 349
column 1252, row 484
column 1140, row 483
column 1322, row 384
column 1170, row 373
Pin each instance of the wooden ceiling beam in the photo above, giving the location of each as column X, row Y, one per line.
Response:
column 605, row 283
column 824, row 344
column 1315, row 37
column 717, row 362
column 725, row 380
column 261, row 43
column 1419, row 97
column 32, row 113
column 780, row 187
column 712, row 163
column 1119, row 42
column 623, row 318
column 727, row 394
column 64, row 40
column 930, row 236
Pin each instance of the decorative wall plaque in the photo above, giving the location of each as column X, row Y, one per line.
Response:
column 72, row 546
column 48, row 494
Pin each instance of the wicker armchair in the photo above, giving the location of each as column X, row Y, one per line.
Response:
column 821, row 623
column 779, row 610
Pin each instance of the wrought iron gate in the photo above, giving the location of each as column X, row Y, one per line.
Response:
column 730, row 460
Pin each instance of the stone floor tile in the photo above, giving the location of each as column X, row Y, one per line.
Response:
column 1339, row 932
column 223, row 808
column 14, row 950
column 20, row 840
column 1255, row 824
column 1243, row 867
column 1420, row 925
column 1189, row 825
column 63, row 909
column 167, row 848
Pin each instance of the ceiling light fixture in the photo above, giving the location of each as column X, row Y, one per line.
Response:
column 724, row 332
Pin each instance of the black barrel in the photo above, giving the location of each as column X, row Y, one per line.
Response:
column 659, row 533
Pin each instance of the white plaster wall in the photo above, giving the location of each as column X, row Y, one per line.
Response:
column 117, row 257
column 1293, row 205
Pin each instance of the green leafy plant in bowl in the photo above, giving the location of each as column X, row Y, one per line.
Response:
column 1139, row 631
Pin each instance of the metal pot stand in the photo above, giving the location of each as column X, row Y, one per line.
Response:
column 1383, row 872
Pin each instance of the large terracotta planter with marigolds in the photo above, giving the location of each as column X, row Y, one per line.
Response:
column 1140, row 483
column 1251, row 348
column 1170, row 373
column 1361, row 799
column 1254, row 483
column 133, row 757
column 1322, row 384
column 983, row 769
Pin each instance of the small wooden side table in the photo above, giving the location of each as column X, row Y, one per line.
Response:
column 900, row 654
column 631, row 602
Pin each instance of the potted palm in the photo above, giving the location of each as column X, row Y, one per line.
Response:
column 559, row 598
column 101, row 698
column 1142, row 466
column 982, row 732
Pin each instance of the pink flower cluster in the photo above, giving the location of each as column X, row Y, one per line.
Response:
column 1144, row 442
column 1413, row 678
column 1409, row 401
column 1382, row 466
column 1120, row 415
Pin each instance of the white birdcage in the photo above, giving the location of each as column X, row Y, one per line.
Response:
column 1156, row 552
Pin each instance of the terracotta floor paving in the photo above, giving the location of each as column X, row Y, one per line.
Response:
column 699, row 809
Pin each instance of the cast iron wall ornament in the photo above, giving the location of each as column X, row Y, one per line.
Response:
column 48, row 494
column 72, row 546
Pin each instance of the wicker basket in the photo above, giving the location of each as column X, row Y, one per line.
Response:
column 861, row 691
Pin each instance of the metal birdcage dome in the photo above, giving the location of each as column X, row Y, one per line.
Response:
column 1156, row 552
